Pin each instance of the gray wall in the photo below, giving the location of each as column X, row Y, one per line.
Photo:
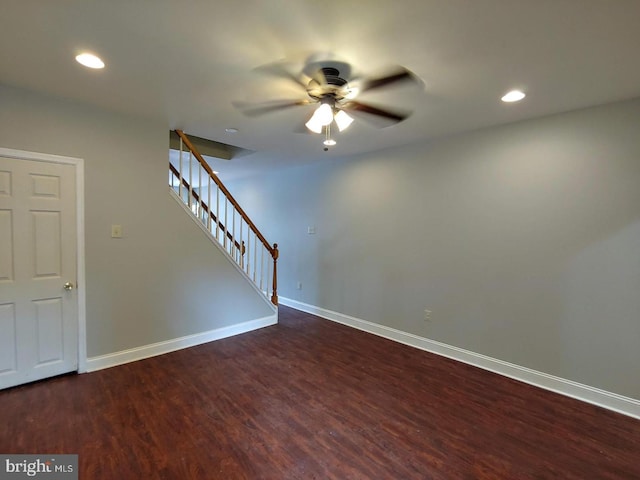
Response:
column 164, row 279
column 523, row 240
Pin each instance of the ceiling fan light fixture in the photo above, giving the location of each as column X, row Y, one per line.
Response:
column 343, row 120
column 331, row 88
column 324, row 114
column 314, row 125
column 329, row 142
column 321, row 117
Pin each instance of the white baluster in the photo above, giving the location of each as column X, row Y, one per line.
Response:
column 233, row 234
column 255, row 255
column 226, row 221
column 248, row 264
column 261, row 265
column 218, row 212
column 200, row 199
column 209, row 202
column 249, row 251
column 240, row 241
column 180, row 171
column 190, row 182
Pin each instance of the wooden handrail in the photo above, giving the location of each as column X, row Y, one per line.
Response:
column 214, row 177
column 273, row 250
column 205, row 207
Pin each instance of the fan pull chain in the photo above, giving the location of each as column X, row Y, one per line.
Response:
column 328, row 141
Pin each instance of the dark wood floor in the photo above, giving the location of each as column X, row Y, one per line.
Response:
column 310, row 399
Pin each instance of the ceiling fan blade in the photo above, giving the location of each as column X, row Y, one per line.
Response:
column 401, row 74
column 256, row 109
column 393, row 116
column 280, row 69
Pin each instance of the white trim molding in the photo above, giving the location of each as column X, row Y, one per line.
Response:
column 139, row 353
column 602, row 398
column 78, row 163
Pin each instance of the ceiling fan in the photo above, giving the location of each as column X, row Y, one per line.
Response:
column 330, row 85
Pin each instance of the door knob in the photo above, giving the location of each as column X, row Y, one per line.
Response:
column 68, row 286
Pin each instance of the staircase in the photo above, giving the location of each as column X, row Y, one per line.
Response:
column 200, row 189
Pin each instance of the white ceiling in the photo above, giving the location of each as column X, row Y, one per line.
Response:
column 185, row 62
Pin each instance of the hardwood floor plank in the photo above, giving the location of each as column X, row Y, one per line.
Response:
column 311, row 399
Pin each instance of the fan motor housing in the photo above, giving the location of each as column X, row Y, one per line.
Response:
column 327, row 82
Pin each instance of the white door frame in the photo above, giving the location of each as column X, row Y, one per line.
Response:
column 78, row 163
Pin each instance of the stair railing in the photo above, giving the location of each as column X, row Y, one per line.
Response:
column 209, row 200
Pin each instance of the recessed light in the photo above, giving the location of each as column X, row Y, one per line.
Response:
column 90, row 60
column 513, row 96
column 231, row 130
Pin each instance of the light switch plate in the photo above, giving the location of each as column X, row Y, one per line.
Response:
column 116, row 231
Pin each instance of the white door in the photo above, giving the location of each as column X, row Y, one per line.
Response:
column 38, row 315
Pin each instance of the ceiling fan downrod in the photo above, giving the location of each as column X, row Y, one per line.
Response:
column 328, row 142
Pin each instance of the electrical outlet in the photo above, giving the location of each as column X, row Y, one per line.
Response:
column 299, row 285
column 427, row 315
column 311, row 230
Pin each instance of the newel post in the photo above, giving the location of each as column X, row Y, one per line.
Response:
column 274, row 294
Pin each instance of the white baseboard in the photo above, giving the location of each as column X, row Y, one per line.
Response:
column 146, row 351
column 602, row 398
